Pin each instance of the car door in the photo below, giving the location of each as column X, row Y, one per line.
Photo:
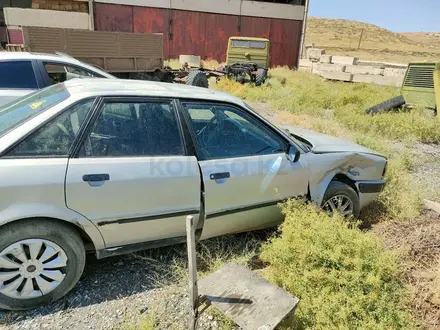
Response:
column 17, row 78
column 132, row 177
column 244, row 166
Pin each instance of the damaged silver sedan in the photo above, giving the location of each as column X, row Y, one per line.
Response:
column 111, row 167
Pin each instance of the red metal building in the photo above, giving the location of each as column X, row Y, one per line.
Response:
column 203, row 27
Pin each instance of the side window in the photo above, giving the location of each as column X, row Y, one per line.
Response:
column 17, row 74
column 134, row 129
column 59, row 72
column 224, row 131
column 56, row 137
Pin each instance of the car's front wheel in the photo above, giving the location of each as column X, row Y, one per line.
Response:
column 341, row 198
column 40, row 261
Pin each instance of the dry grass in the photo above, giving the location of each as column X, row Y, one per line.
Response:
column 341, row 37
column 418, row 243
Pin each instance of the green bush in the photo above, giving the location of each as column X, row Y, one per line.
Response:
column 343, row 277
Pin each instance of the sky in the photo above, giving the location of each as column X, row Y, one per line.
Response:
column 394, row 15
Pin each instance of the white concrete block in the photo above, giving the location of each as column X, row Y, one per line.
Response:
column 378, row 80
column 46, row 18
column 341, row 76
column 347, row 60
column 316, row 68
column 374, row 64
column 305, row 63
column 314, row 54
column 305, row 69
column 360, row 69
column 192, row 60
column 390, row 72
column 327, row 59
column 332, row 67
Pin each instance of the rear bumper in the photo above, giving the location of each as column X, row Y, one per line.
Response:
column 368, row 191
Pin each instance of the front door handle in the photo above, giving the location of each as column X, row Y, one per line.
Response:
column 218, row 176
column 96, row 177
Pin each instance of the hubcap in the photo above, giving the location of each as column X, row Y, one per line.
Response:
column 31, row 268
column 339, row 203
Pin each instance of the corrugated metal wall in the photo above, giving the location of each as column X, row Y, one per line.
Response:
column 204, row 34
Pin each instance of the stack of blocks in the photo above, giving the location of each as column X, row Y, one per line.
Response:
column 351, row 69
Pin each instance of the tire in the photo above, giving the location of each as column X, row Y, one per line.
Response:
column 261, row 77
column 337, row 188
column 32, row 233
column 197, row 78
column 393, row 103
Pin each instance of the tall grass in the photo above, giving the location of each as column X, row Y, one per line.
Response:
column 302, row 93
column 343, row 277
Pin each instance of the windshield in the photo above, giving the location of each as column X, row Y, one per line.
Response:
column 18, row 111
column 255, row 44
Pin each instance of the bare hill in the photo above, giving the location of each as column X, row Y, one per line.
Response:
column 341, row 37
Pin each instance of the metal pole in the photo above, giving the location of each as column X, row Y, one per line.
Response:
column 303, row 31
column 192, row 271
column 91, row 16
column 360, row 38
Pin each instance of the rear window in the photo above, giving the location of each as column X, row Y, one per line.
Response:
column 17, row 74
column 18, row 111
column 255, row 44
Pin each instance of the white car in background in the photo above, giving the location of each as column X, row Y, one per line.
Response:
column 22, row 73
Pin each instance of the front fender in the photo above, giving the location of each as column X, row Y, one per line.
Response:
column 22, row 211
column 324, row 167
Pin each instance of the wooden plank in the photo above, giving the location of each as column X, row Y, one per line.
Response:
column 432, row 205
column 246, row 298
column 192, row 270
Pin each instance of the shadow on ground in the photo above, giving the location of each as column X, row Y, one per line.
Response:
column 114, row 278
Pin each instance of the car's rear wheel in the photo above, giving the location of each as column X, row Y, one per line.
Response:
column 40, row 261
column 341, row 198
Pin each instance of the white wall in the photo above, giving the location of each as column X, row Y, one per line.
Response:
column 46, row 18
column 231, row 7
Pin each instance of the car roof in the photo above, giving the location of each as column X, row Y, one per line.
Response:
column 64, row 58
column 34, row 56
column 122, row 87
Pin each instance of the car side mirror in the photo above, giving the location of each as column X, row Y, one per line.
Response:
column 293, row 154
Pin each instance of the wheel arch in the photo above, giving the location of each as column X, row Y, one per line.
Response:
column 92, row 238
column 317, row 191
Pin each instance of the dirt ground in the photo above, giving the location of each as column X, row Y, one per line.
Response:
column 119, row 292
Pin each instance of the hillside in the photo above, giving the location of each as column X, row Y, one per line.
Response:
column 341, row 37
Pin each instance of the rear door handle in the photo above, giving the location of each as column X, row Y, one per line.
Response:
column 96, row 177
column 222, row 175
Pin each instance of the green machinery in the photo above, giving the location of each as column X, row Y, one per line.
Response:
column 420, row 88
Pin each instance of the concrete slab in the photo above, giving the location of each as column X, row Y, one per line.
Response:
column 305, row 63
column 346, row 60
column 378, row 80
column 341, row 76
column 327, row 59
column 356, row 69
column 305, row 69
column 332, row 67
column 192, row 60
column 380, row 65
column 316, row 68
column 392, row 72
column 246, row 298
column 314, row 54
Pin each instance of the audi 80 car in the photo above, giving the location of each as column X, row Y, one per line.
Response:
column 114, row 166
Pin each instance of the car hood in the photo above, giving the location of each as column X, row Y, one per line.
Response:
column 322, row 143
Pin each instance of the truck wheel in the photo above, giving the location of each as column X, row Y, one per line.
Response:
column 340, row 197
column 40, row 261
column 261, row 77
column 393, row 103
column 197, row 78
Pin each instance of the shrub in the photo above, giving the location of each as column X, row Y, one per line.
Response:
column 343, row 277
